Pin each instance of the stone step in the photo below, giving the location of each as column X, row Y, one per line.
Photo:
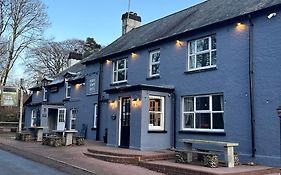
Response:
column 114, row 159
column 94, row 151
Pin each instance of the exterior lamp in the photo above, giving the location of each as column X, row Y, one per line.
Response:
column 136, row 102
column 77, row 86
column 112, row 104
column 179, row 43
column 134, row 55
column 240, row 26
column 108, row 61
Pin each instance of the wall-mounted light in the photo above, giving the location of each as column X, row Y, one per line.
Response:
column 107, row 61
column 37, row 93
column 240, row 26
column 136, row 102
column 271, row 15
column 77, row 86
column 134, row 55
column 179, row 43
column 112, row 104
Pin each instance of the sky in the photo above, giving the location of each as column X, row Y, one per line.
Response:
column 101, row 19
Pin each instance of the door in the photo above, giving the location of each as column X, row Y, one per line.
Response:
column 125, row 123
column 61, row 119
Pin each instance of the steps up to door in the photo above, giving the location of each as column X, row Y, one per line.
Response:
column 118, row 157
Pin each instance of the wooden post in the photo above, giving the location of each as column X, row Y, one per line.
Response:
column 21, row 104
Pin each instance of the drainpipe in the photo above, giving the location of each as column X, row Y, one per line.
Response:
column 251, row 84
column 174, row 116
column 99, row 100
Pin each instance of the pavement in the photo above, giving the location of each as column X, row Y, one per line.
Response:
column 70, row 159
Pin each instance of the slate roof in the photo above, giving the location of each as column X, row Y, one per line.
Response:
column 198, row 16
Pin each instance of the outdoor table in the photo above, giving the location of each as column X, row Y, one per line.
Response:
column 38, row 130
column 69, row 137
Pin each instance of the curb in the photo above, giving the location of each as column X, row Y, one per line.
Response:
column 51, row 162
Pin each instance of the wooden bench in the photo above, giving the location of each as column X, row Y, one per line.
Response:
column 228, row 149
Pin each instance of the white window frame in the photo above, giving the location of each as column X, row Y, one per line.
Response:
column 95, row 116
column 33, row 117
column 162, row 116
column 67, row 89
column 151, row 63
column 45, row 91
column 73, row 118
column 115, row 63
column 210, row 50
column 195, row 111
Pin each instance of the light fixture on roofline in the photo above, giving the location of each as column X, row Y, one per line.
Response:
column 271, row 15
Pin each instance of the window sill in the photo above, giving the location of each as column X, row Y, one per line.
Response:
column 203, row 132
column 66, row 99
column 117, row 84
column 153, row 77
column 201, row 70
column 157, row 131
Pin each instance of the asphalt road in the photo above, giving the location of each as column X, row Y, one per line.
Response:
column 11, row 164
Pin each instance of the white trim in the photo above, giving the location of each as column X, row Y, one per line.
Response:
column 33, row 111
column 95, row 115
column 115, row 63
column 119, row 120
column 162, row 114
column 195, row 111
column 72, row 119
column 209, row 50
column 67, row 89
column 153, row 63
column 45, row 94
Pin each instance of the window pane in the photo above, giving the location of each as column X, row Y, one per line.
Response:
column 202, row 103
column 203, row 121
column 214, row 58
column 217, row 102
column 188, row 103
column 214, row 42
column 121, row 75
column 192, row 62
column 155, row 57
column 202, row 44
column 121, row 64
column 155, row 105
column 155, row 119
column 155, row 69
column 192, row 47
column 218, row 121
column 115, row 65
column 203, row 60
column 188, row 121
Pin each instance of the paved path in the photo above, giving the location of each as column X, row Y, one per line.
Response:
column 11, row 164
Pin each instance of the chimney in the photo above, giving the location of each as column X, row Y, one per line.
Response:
column 130, row 21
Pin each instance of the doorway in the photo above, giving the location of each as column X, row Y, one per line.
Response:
column 125, row 123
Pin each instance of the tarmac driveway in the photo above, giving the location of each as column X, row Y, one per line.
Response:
column 11, row 164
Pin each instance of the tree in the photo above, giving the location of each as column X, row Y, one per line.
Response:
column 90, row 47
column 50, row 57
column 22, row 25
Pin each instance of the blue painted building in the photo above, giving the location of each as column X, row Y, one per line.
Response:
column 210, row 72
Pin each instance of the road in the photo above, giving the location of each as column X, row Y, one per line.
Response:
column 11, row 164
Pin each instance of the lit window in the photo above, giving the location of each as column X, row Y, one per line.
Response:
column 67, row 90
column 154, row 69
column 120, row 68
column 202, row 53
column 45, row 94
column 73, row 115
column 156, row 113
column 203, row 113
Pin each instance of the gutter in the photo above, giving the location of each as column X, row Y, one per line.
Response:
column 251, row 85
column 99, row 100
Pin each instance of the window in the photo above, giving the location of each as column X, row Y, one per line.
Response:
column 33, row 117
column 61, row 115
column 120, row 71
column 154, row 69
column 67, row 89
column 202, row 53
column 156, row 113
column 203, row 113
column 73, row 115
column 45, row 94
column 95, row 115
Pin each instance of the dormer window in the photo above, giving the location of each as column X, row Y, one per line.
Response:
column 45, row 95
column 67, row 89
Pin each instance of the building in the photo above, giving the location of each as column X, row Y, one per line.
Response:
column 210, row 71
